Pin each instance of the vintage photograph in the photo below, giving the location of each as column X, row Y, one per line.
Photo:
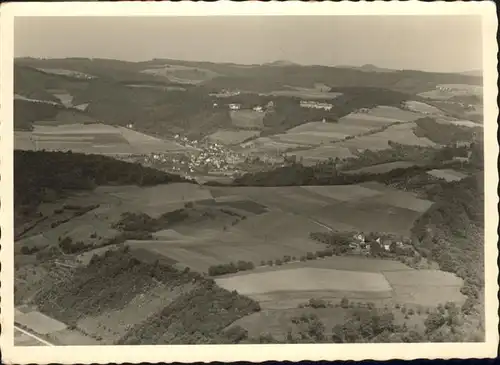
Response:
column 249, row 179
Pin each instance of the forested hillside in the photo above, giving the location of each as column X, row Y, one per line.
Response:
column 36, row 173
column 197, row 316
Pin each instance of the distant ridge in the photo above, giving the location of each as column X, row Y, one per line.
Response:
column 280, row 63
column 367, row 68
column 477, row 73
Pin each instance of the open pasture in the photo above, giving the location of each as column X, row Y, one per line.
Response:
column 39, row 323
column 268, row 145
column 160, row 198
column 393, row 113
column 311, row 138
column 23, row 141
column 423, row 108
column 231, row 137
column 241, row 204
column 447, row 174
column 401, row 133
column 291, row 287
column 291, row 199
column 342, row 193
column 401, row 199
column 368, row 216
column 65, row 98
column 437, row 94
column 69, row 337
column 247, row 119
column 427, row 295
column 181, row 74
column 425, row 287
column 327, row 128
column 345, row 263
column 304, row 279
column 461, row 123
column 424, row 277
column 366, row 120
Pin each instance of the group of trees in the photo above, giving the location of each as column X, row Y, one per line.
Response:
column 141, row 222
column 230, row 268
column 443, row 133
column 69, row 247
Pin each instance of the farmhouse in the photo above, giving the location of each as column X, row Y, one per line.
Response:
column 234, row 106
column 315, row 105
column 258, row 109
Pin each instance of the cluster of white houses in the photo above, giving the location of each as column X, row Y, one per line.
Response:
column 315, row 105
column 359, row 242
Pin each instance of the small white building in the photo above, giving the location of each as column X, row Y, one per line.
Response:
column 234, row 106
column 258, row 109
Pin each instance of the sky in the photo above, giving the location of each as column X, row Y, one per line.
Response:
column 429, row 43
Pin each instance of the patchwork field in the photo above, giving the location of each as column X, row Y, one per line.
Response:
column 342, row 207
column 231, row 137
column 447, row 174
column 258, row 237
column 91, row 138
column 247, row 119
